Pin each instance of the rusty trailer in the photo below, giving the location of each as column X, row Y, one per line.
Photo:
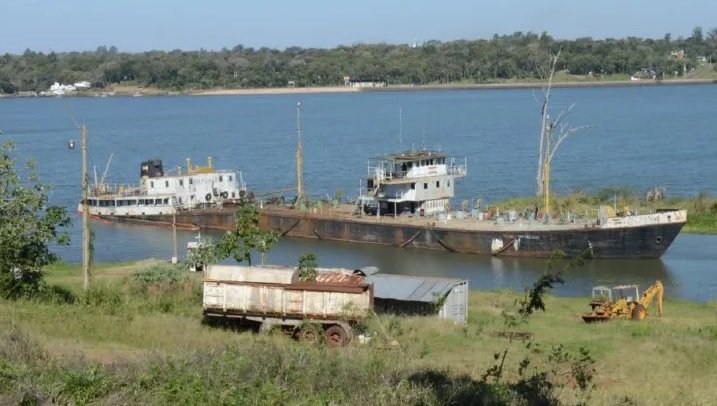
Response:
column 274, row 296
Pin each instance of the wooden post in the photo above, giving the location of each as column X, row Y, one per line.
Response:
column 174, row 238
column 85, row 214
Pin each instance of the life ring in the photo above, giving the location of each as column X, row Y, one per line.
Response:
column 208, row 197
column 224, row 194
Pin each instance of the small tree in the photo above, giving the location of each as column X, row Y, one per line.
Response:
column 205, row 253
column 265, row 241
column 28, row 226
column 246, row 237
column 307, row 267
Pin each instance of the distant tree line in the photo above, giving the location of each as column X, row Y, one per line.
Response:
column 514, row 56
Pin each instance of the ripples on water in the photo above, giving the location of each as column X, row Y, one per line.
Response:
column 640, row 137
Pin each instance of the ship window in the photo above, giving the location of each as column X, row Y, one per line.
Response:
column 410, row 164
column 180, row 200
column 221, row 178
column 230, row 178
column 113, row 203
column 413, row 185
column 166, row 201
column 181, row 182
column 157, row 201
column 233, row 195
column 191, row 197
column 151, row 184
column 166, row 183
column 430, row 162
column 449, row 183
column 191, row 181
column 425, row 185
column 438, row 184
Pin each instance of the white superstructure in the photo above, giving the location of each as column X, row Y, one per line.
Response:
column 161, row 194
column 415, row 182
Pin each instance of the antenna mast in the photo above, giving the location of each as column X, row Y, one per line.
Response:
column 299, row 157
column 400, row 127
column 85, row 214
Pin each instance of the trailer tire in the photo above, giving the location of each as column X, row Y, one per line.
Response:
column 336, row 336
column 309, row 334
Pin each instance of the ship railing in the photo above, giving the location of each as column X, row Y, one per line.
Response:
column 456, row 168
column 124, row 190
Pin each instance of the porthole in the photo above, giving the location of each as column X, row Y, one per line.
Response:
column 658, row 240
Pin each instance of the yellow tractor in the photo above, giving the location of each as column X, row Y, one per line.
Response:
column 621, row 302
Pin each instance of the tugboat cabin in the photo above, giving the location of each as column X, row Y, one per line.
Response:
column 161, row 193
column 411, row 183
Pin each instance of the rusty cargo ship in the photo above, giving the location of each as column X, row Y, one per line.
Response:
column 406, row 203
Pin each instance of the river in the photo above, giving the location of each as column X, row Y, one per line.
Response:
column 638, row 137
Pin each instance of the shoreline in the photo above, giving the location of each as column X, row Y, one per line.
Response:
column 134, row 91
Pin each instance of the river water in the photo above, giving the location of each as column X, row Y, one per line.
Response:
column 639, row 137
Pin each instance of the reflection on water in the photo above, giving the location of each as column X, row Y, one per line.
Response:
column 687, row 269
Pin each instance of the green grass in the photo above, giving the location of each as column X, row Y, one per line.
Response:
column 136, row 340
column 701, row 209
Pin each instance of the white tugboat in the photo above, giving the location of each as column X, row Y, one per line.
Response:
column 166, row 194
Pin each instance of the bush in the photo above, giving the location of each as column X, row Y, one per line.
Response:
column 159, row 275
column 104, row 298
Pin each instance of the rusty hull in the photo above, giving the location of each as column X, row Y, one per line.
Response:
column 649, row 241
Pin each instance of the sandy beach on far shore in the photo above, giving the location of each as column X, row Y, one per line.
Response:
column 276, row 90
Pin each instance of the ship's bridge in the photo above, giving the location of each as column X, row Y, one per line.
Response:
column 405, row 167
column 412, row 182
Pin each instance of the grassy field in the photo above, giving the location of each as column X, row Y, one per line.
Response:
column 132, row 339
column 701, row 209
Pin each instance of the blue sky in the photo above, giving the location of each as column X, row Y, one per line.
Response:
column 140, row 25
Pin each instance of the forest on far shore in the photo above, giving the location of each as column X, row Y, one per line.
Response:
column 517, row 56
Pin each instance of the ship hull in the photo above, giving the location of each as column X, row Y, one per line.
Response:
column 629, row 242
column 648, row 241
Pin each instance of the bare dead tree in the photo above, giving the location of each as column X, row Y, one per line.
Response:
column 552, row 132
column 544, row 124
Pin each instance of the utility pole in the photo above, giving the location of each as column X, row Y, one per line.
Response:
column 299, row 158
column 174, row 238
column 85, row 214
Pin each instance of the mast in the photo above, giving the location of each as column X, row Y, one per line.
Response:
column 85, row 214
column 400, row 128
column 546, row 169
column 299, row 157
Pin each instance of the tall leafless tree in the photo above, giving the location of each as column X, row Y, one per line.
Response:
column 552, row 132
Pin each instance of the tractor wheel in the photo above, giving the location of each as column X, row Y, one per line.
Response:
column 638, row 312
column 336, row 336
column 309, row 334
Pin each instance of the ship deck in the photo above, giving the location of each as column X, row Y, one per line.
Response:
column 345, row 213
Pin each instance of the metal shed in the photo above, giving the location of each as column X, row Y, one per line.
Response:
column 445, row 297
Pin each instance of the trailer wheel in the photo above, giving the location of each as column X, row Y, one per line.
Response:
column 308, row 334
column 336, row 336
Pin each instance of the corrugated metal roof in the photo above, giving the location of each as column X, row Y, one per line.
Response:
column 411, row 288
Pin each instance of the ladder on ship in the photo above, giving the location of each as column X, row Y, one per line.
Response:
column 358, row 207
column 175, row 204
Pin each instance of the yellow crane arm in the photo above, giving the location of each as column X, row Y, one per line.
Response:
column 654, row 291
